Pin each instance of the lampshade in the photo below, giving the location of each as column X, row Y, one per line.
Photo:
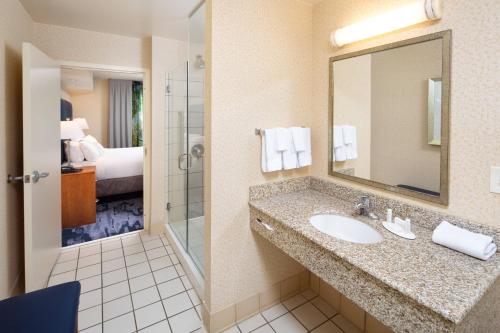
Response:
column 82, row 122
column 71, row 130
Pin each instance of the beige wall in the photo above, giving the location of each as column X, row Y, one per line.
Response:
column 352, row 106
column 400, row 152
column 16, row 27
column 474, row 145
column 260, row 77
column 69, row 44
column 94, row 107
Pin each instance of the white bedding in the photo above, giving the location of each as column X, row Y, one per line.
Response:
column 118, row 163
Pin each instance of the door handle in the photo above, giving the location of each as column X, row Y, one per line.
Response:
column 37, row 175
column 180, row 159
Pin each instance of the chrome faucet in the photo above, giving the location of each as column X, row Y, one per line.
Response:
column 363, row 208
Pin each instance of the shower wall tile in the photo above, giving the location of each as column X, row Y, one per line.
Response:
column 196, row 89
column 178, row 88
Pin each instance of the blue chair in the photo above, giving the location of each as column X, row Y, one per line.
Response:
column 50, row 310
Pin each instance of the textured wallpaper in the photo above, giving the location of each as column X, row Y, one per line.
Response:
column 475, row 97
column 261, row 77
column 92, row 47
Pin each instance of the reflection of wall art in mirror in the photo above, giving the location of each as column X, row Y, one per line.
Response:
column 434, row 112
column 389, row 108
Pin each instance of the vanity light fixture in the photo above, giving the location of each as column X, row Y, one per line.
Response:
column 411, row 14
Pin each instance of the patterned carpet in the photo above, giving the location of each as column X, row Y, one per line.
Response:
column 113, row 218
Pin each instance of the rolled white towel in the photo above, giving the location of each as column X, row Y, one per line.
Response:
column 476, row 245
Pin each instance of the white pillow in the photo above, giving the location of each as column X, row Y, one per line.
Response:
column 91, row 151
column 89, row 138
column 75, row 153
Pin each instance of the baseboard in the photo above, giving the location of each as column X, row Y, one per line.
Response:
column 228, row 317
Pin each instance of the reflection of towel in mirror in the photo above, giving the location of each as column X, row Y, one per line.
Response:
column 350, row 141
column 339, row 154
column 339, row 151
column 338, row 136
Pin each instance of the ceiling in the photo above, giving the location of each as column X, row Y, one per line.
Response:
column 135, row 18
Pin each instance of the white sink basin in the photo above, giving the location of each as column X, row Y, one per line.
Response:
column 346, row 228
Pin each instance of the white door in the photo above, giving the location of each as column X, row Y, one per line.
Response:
column 41, row 165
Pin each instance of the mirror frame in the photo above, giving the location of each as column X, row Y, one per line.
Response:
column 443, row 198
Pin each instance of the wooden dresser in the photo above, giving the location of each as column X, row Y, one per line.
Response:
column 78, row 198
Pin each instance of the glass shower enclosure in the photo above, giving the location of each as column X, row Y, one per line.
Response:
column 185, row 145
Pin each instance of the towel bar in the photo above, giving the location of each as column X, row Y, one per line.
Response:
column 259, row 131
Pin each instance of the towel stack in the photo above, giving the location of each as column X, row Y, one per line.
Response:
column 345, row 145
column 286, row 148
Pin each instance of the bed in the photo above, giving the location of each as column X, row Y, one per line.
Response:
column 118, row 171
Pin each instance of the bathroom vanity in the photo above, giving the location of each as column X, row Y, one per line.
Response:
column 408, row 285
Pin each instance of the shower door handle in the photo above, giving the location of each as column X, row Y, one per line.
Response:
column 180, row 159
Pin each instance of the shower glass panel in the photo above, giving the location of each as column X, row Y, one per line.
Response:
column 196, row 137
column 177, row 162
column 185, row 144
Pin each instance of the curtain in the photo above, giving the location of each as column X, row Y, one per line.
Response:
column 137, row 117
column 120, row 113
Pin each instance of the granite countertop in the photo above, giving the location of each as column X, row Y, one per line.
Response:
column 445, row 281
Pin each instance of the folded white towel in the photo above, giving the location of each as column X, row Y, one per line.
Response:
column 340, row 154
column 290, row 158
column 476, row 245
column 305, row 156
column 282, row 139
column 349, row 133
column 271, row 157
column 298, row 137
column 338, row 136
column 350, row 141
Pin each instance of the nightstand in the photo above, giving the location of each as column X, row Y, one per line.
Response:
column 78, row 198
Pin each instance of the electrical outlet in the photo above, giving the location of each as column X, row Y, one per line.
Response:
column 495, row 180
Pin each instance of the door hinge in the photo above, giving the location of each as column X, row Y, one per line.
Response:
column 168, row 206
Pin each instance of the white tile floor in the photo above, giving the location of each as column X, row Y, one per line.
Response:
column 133, row 283
column 302, row 313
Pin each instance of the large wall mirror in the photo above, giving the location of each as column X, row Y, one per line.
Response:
column 389, row 116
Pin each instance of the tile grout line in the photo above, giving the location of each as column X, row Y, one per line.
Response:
column 102, row 292
column 328, row 317
column 128, row 284
column 265, row 319
column 157, row 289
column 141, row 275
